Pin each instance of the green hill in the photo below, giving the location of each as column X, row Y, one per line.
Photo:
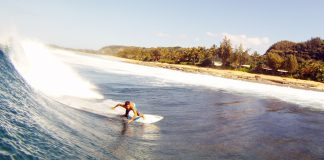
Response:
column 310, row 50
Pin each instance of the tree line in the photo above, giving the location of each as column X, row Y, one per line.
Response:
column 299, row 60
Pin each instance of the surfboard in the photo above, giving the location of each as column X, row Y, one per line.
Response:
column 148, row 118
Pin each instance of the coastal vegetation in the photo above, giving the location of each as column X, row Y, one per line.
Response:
column 304, row 60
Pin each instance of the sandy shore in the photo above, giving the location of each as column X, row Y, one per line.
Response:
column 258, row 78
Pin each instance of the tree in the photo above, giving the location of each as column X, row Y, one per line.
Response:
column 194, row 55
column 274, row 60
column 244, row 58
column 156, row 54
column 254, row 59
column 213, row 52
column 235, row 57
column 313, row 70
column 292, row 64
column 239, row 57
column 225, row 51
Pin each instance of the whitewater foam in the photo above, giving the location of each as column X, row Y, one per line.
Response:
column 46, row 73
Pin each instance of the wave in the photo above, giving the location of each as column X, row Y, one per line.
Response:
column 20, row 132
column 46, row 73
column 32, row 124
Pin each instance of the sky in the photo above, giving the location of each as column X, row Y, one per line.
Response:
column 92, row 24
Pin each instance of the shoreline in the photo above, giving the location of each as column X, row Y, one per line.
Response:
column 232, row 74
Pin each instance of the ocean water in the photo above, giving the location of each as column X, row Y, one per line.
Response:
column 55, row 104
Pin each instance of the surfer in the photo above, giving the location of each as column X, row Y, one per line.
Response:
column 130, row 106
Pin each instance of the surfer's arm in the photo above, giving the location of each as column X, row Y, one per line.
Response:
column 117, row 105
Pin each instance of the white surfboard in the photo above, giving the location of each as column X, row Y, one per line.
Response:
column 148, row 118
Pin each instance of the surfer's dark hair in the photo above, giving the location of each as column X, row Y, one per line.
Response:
column 127, row 102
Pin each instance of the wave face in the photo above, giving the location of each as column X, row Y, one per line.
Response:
column 19, row 133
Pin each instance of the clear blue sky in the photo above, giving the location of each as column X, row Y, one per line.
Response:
column 150, row 23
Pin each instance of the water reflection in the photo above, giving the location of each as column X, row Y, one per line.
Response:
column 150, row 132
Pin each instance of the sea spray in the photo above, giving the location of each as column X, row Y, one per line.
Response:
column 46, row 73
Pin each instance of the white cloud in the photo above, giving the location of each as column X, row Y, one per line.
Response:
column 210, row 34
column 182, row 36
column 247, row 41
column 162, row 35
column 259, row 44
